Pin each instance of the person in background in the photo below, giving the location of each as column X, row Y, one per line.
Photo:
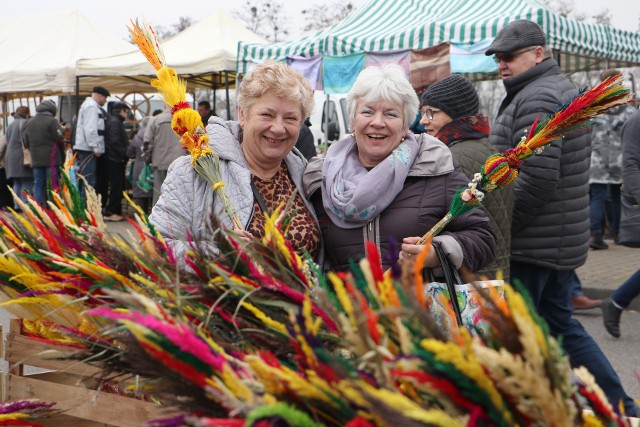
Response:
column 89, row 136
column 605, row 173
column 21, row 175
column 305, row 144
column 450, row 112
column 45, row 139
column 613, row 306
column 621, row 299
column 258, row 165
column 116, row 145
column 386, row 185
column 550, row 228
column 579, row 301
column 141, row 197
column 6, row 200
column 161, row 147
column 204, row 109
column 417, row 126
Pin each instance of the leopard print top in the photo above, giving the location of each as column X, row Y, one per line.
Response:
column 303, row 232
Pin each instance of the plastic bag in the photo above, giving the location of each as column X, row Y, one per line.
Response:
column 145, row 180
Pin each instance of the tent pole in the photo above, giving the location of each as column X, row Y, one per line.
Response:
column 226, row 89
column 326, row 120
column 213, row 90
column 77, row 96
column 5, row 115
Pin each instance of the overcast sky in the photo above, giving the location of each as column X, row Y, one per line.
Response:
column 114, row 15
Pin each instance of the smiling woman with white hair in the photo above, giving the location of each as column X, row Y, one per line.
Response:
column 384, row 184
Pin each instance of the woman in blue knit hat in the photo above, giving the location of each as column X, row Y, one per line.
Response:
column 450, row 112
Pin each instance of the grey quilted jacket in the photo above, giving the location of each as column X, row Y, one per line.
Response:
column 187, row 201
column 631, row 156
column 606, row 145
column 551, row 211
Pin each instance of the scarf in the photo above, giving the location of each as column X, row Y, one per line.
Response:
column 352, row 195
column 464, row 128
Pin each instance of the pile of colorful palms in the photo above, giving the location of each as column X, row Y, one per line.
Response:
column 258, row 336
column 24, row 412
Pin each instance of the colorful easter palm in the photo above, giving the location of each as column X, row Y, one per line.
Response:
column 502, row 169
column 394, row 366
column 25, row 412
column 186, row 122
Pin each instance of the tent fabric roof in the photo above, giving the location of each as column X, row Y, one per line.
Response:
column 201, row 54
column 383, row 25
column 39, row 52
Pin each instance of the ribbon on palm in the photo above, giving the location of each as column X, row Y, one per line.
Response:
column 185, row 121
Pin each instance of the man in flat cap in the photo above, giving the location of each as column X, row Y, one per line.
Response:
column 89, row 137
column 550, row 228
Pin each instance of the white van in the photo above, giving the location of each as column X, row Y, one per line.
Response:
column 329, row 118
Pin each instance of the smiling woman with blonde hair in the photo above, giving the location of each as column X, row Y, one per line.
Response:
column 259, row 166
column 385, row 185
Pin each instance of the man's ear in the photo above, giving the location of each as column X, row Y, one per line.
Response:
column 539, row 54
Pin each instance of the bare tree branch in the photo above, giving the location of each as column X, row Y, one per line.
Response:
column 322, row 16
column 265, row 18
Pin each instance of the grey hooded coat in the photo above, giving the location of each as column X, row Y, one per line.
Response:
column 14, row 158
column 44, row 136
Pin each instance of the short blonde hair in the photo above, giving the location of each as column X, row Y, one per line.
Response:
column 387, row 83
column 278, row 79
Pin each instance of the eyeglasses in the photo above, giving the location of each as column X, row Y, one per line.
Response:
column 510, row 56
column 429, row 112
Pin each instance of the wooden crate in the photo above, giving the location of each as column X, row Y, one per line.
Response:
column 69, row 384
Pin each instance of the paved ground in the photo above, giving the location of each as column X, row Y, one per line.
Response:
column 607, row 269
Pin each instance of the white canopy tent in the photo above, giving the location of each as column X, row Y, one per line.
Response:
column 203, row 54
column 39, row 52
column 39, row 55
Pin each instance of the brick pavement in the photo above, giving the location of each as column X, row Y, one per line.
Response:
column 607, row 269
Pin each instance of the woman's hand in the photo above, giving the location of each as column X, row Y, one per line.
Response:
column 410, row 250
column 243, row 235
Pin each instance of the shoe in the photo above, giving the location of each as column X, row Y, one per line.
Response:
column 583, row 302
column 113, row 218
column 597, row 243
column 611, row 317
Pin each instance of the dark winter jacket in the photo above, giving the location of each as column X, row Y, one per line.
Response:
column 45, row 137
column 471, row 153
column 305, row 144
column 631, row 156
column 14, row 157
column 423, row 201
column 116, row 139
column 551, row 212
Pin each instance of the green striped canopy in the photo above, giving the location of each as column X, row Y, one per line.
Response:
column 385, row 25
